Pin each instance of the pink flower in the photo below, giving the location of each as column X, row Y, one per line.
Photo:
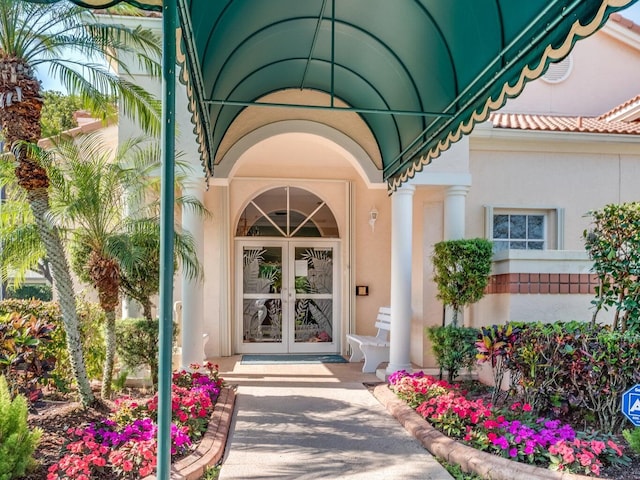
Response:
column 615, row 447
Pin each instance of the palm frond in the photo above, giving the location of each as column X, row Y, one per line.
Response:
column 52, row 33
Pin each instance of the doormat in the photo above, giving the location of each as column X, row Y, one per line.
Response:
column 290, row 359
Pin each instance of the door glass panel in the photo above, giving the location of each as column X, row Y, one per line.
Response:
column 313, row 278
column 287, row 212
column 262, row 294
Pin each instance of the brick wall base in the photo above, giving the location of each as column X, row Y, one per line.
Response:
column 544, row 283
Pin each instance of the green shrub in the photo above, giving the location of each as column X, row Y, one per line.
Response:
column 23, row 360
column 17, row 443
column 137, row 344
column 633, row 438
column 26, row 292
column 603, row 367
column 540, row 360
column 495, row 345
column 461, row 271
column 613, row 243
column 454, row 348
column 91, row 320
column 572, row 365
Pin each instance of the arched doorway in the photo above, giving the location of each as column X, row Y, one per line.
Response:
column 287, row 254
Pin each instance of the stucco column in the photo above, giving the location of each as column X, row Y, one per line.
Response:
column 193, row 290
column 454, row 212
column 130, row 308
column 454, row 228
column 401, row 244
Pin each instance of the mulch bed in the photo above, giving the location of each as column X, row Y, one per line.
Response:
column 55, row 417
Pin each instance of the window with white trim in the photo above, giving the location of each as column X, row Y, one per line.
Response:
column 512, row 228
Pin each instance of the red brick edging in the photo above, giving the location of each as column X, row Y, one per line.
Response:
column 469, row 459
column 211, row 447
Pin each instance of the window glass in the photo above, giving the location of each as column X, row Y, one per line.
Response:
column 501, row 226
column 287, row 212
column 535, row 226
column 517, row 226
column 518, row 232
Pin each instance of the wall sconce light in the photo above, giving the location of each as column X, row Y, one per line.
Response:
column 373, row 216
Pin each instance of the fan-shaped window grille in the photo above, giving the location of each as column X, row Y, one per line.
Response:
column 559, row 72
column 287, row 212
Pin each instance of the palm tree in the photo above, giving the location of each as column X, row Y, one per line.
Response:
column 112, row 244
column 21, row 249
column 42, row 34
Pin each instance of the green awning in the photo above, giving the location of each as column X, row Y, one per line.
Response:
column 420, row 73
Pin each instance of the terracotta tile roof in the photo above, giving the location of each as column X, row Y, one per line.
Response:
column 617, row 110
column 625, row 22
column 553, row 123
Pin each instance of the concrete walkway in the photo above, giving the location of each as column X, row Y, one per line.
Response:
column 316, row 421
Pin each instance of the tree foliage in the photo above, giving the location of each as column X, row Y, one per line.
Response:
column 56, row 34
column 461, row 269
column 57, row 113
column 613, row 243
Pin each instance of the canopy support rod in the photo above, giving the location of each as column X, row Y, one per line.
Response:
column 499, row 58
column 167, row 176
column 238, row 103
column 333, row 50
column 313, row 43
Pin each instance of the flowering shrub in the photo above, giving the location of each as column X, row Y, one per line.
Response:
column 514, row 432
column 453, row 413
column 418, row 387
column 125, row 443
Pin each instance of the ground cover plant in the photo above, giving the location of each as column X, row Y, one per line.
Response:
column 119, row 442
column 512, row 431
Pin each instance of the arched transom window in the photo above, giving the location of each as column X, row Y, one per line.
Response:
column 287, row 212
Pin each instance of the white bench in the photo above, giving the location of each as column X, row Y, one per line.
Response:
column 374, row 350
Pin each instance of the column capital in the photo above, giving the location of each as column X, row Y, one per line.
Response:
column 457, row 190
column 406, row 189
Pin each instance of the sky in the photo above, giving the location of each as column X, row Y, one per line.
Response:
column 632, row 13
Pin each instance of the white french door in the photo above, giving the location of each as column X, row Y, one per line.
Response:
column 287, row 299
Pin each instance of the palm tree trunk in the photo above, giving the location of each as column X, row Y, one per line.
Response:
column 146, row 309
column 110, row 344
column 105, row 274
column 39, row 202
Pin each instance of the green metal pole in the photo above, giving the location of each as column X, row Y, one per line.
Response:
column 167, row 195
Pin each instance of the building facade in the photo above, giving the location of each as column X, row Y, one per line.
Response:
column 299, row 247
